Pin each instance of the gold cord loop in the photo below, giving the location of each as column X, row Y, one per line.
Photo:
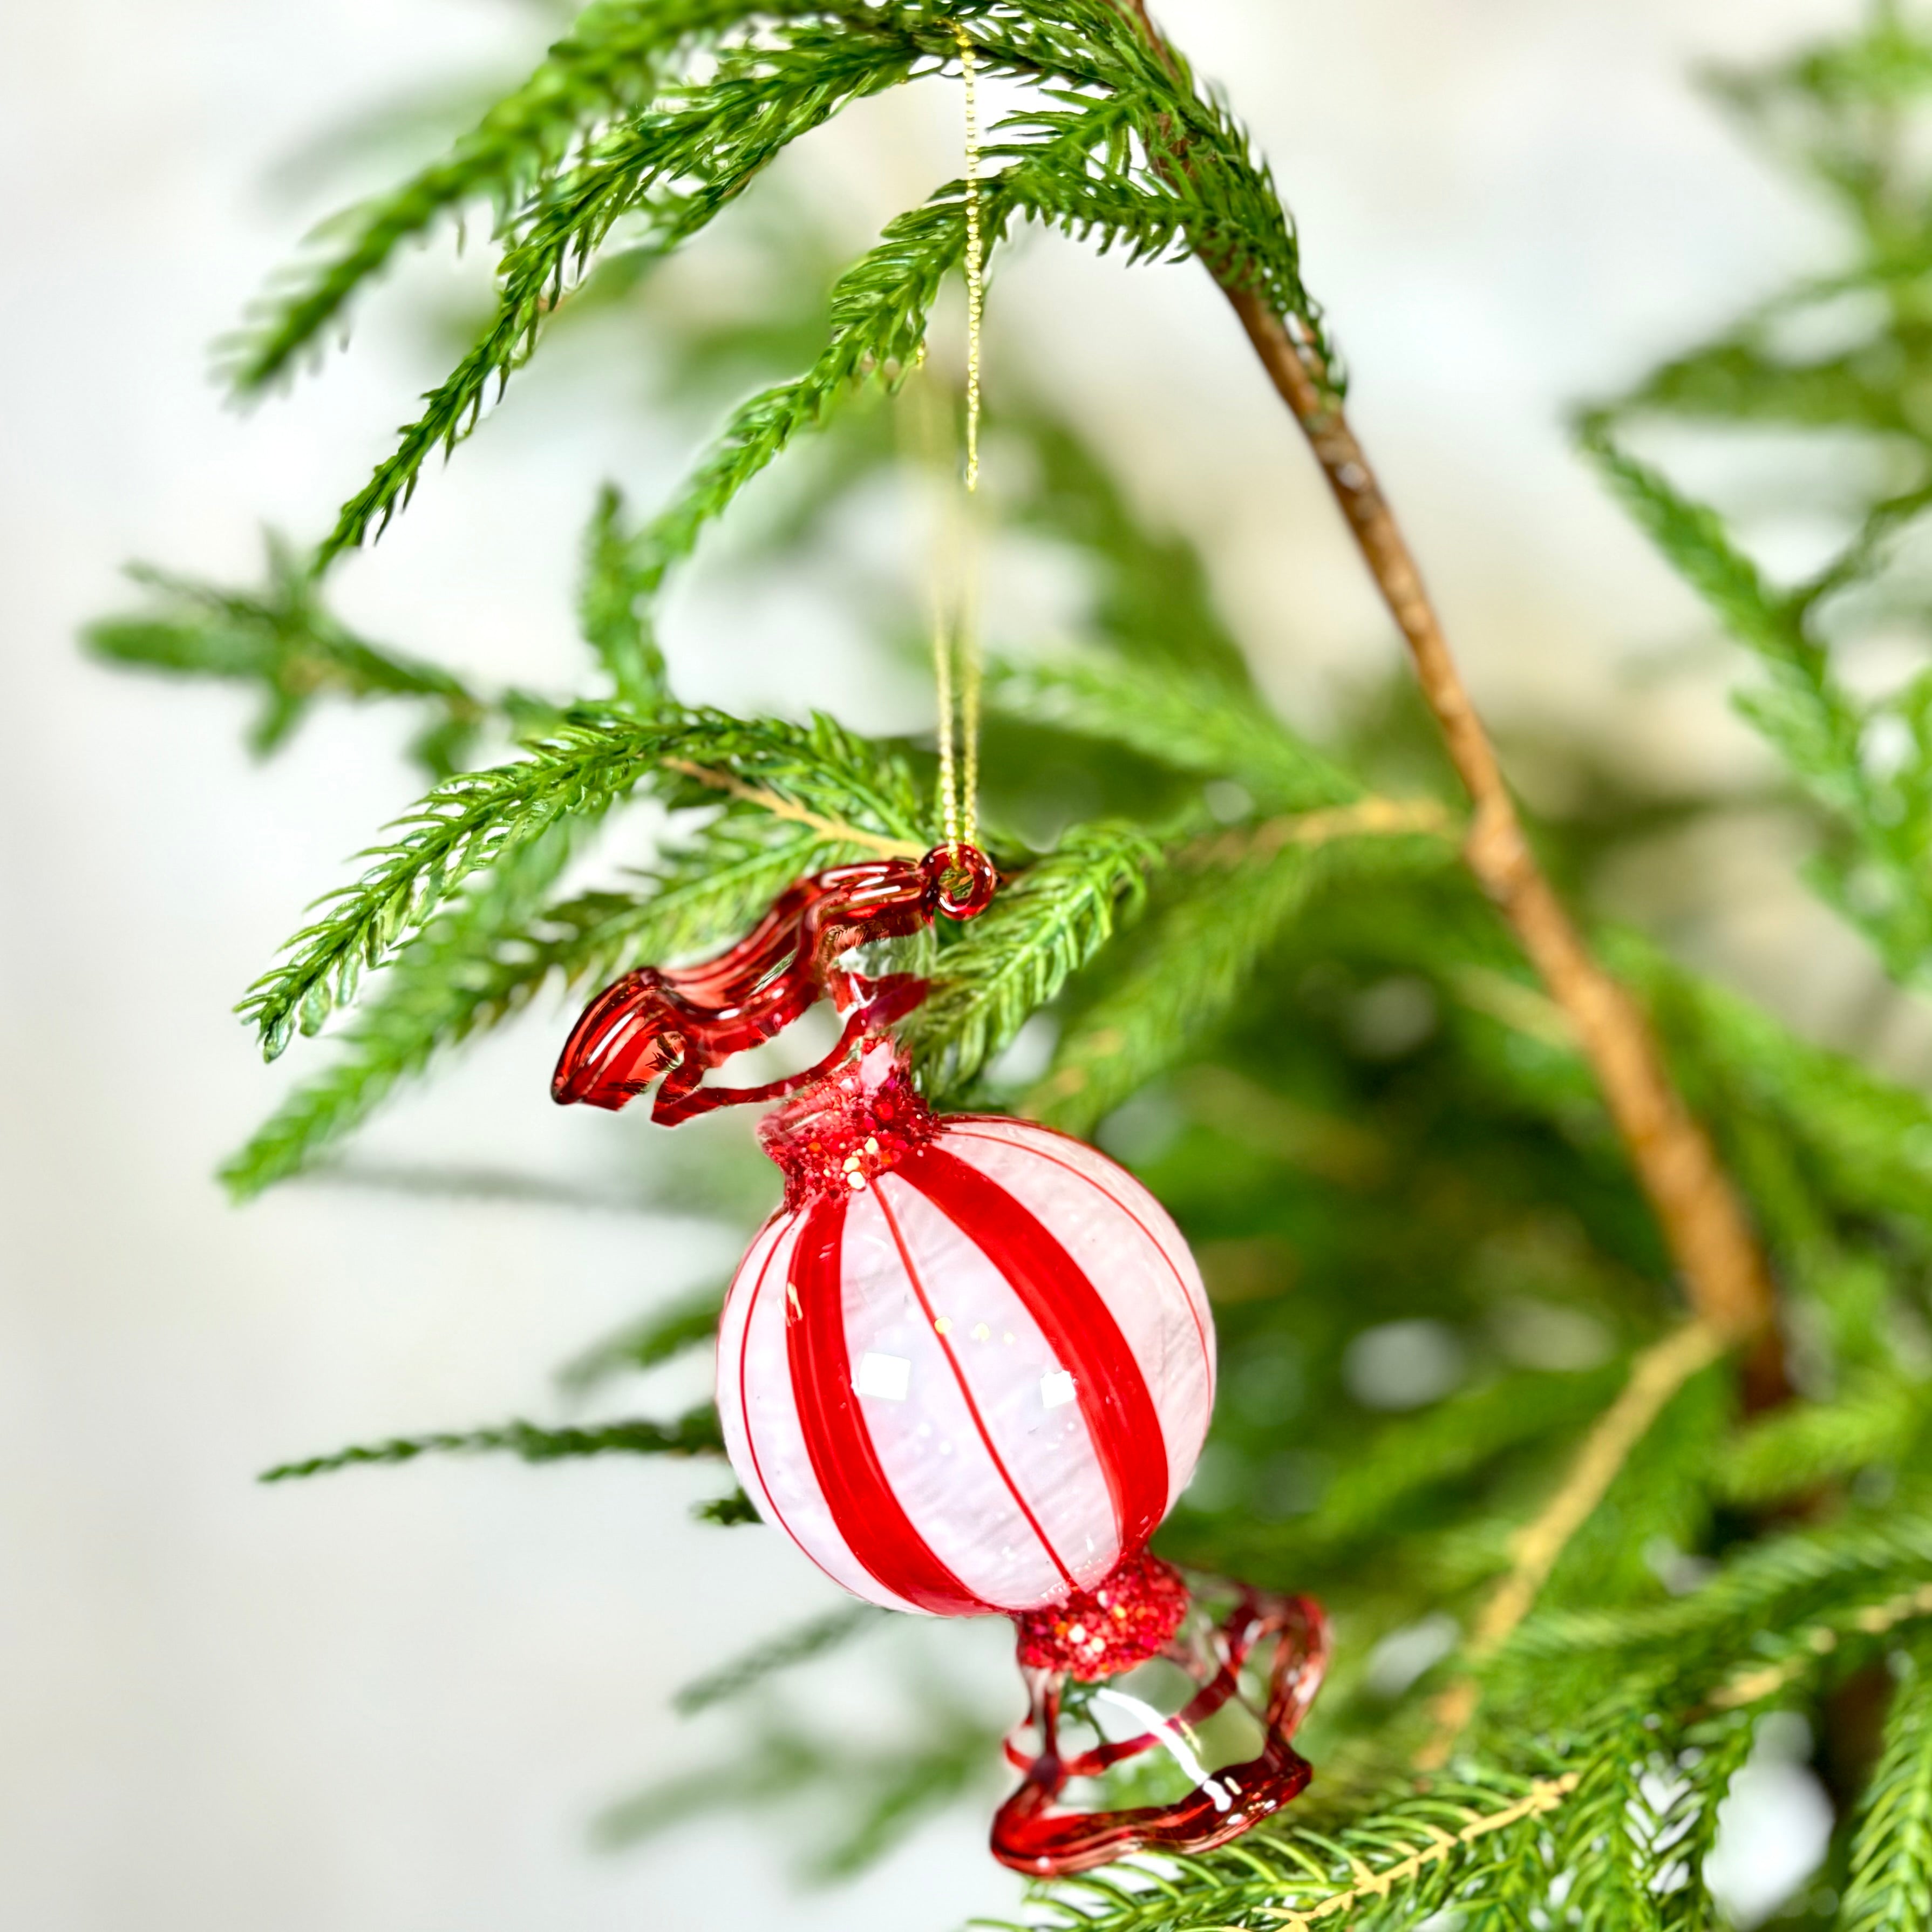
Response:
column 956, row 632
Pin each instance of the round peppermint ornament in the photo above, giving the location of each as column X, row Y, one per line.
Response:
column 968, row 1365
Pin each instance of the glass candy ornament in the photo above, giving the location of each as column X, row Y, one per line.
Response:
column 968, row 1365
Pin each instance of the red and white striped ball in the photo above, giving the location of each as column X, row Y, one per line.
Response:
column 969, row 1365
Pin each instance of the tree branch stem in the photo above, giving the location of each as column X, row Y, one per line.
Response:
column 1724, row 1271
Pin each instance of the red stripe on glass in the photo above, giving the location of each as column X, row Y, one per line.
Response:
column 867, row 1514
column 1076, row 1323
column 965, row 1387
column 744, row 1393
column 1107, row 1194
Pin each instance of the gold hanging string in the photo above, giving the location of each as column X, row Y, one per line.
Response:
column 956, row 631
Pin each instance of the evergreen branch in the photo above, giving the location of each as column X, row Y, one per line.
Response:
column 1453, row 1438
column 1656, row 1376
column 898, row 1790
column 1190, row 967
column 1704, row 1777
column 712, row 890
column 879, row 309
column 1822, row 733
column 475, row 819
column 1397, row 1484
column 661, row 1337
column 1204, row 946
column 1815, row 1586
column 452, row 982
column 1805, row 1445
column 1871, row 1139
column 783, row 1761
column 488, row 958
column 1187, row 723
column 1807, row 1645
column 1660, row 1510
column 1078, row 172
column 1605, row 1837
column 616, row 57
column 1545, row 1795
column 1737, row 379
column 591, row 763
column 736, row 1511
column 796, row 1646
column 1425, row 1849
column 1049, row 921
column 1692, row 538
column 613, row 609
column 284, row 642
column 890, row 1789
column 718, row 136
column 1892, row 1852
column 695, row 1433
column 880, row 305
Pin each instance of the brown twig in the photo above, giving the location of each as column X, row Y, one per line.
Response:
column 1371, row 818
column 1656, row 1376
column 1724, row 1274
column 780, row 807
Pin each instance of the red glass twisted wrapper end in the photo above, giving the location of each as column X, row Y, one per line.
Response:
column 1132, row 1616
column 678, row 1022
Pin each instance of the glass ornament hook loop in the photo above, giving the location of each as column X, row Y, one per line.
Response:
column 961, row 879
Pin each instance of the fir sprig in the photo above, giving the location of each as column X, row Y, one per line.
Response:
column 1209, row 937
column 693, row 1434
column 1048, row 922
column 1193, row 724
column 1867, row 764
column 1891, row 1888
column 1461, row 1840
column 716, row 137
column 495, row 952
column 803, row 1644
column 1191, row 966
column 688, row 1323
column 466, row 971
column 1131, row 154
column 590, row 763
column 283, row 641
column 616, row 55
column 1795, row 1451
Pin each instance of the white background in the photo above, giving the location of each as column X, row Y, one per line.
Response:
column 391, row 1701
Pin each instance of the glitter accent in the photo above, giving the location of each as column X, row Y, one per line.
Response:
column 1131, row 1616
column 845, row 1130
